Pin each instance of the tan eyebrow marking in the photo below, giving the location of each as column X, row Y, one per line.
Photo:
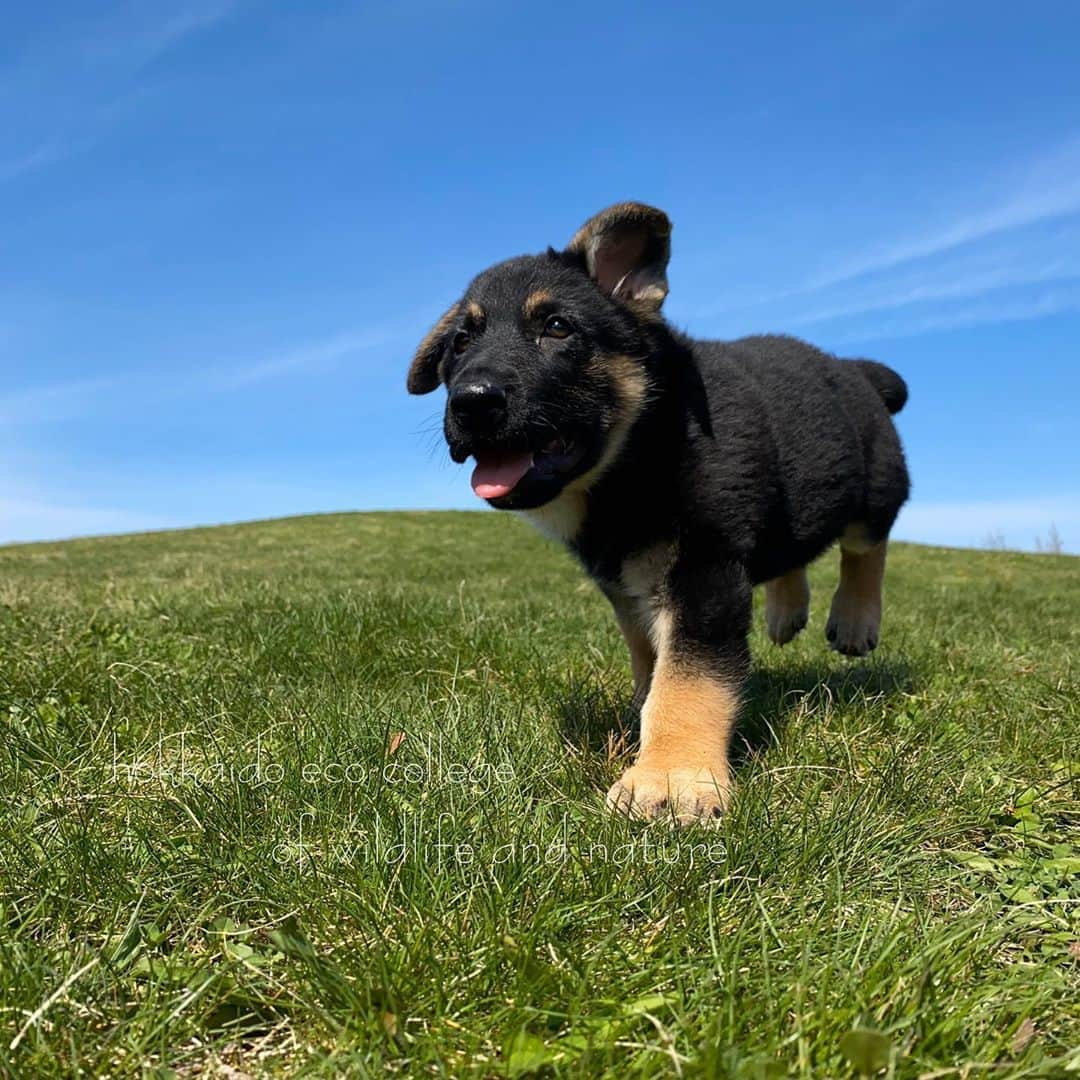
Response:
column 474, row 311
column 535, row 300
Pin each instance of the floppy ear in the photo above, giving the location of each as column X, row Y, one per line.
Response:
column 424, row 369
column 626, row 250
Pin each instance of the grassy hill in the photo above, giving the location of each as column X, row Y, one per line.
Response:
column 324, row 794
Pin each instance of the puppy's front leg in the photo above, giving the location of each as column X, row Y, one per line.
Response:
column 700, row 629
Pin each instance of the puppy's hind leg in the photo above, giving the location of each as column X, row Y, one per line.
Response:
column 787, row 605
column 642, row 653
column 855, row 618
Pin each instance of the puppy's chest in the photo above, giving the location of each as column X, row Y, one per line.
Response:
column 625, row 550
column 642, row 577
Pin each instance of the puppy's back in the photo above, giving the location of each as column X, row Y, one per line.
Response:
column 824, row 424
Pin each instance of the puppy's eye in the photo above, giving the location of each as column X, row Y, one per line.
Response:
column 557, row 327
column 461, row 342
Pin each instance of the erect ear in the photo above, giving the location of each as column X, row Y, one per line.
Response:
column 424, row 369
column 626, row 250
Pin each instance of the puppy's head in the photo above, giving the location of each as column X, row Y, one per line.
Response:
column 542, row 356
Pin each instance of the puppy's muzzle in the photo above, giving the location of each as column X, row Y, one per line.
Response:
column 479, row 409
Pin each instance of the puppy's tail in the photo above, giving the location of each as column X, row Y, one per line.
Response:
column 890, row 387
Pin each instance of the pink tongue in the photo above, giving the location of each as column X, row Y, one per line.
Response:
column 496, row 474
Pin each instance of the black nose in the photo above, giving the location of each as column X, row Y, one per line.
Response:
column 478, row 407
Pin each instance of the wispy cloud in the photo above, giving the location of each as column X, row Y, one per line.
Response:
column 998, row 247
column 137, row 44
column 311, row 358
column 1047, row 188
column 1018, row 522
column 64, row 401
column 44, row 154
column 84, row 79
column 988, row 312
column 948, row 285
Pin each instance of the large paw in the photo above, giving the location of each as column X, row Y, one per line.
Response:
column 787, row 606
column 783, row 623
column 683, row 795
column 853, row 628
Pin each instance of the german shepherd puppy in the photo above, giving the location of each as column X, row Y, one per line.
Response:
column 681, row 473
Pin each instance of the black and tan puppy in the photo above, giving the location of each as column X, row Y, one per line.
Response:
column 681, row 473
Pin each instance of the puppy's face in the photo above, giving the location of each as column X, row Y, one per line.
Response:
column 541, row 357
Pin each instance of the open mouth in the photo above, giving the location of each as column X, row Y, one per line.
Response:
column 499, row 472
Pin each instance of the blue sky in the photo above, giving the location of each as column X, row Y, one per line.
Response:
column 225, row 226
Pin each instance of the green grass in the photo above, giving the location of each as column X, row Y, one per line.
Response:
column 188, row 885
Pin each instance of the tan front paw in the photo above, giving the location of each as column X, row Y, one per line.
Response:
column 853, row 629
column 787, row 606
column 784, row 623
column 683, row 795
